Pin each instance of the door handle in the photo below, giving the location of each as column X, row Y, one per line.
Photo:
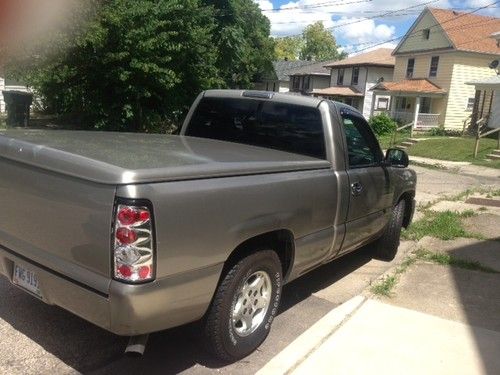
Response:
column 356, row 188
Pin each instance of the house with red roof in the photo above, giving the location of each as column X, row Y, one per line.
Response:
column 440, row 53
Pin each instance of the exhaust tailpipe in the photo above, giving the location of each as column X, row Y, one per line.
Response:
column 136, row 345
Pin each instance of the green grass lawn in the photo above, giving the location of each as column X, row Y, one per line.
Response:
column 456, row 149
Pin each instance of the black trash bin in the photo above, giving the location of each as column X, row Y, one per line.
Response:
column 17, row 104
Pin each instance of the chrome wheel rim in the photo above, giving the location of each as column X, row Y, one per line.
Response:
column 251, row 303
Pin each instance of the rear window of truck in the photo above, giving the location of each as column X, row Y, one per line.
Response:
column 285, row 127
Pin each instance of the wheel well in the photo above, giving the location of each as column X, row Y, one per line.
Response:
column 408, row 198
column 281, row 241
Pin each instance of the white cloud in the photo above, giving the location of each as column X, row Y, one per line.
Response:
column 473, row 4
column 292, row 21
column 294, row 16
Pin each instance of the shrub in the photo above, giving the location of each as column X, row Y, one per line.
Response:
column 382, row 124
column 440, row 131
column 437, row 131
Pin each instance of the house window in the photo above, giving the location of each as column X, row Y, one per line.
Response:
column 470, row 104
column 434, row 66
column 425, row 105
column 355, row 76
column 402, row 104
column 410, row 67
column 383, row 103
column 340, row 77
column 353, row 102
column 426, row 33
column 295, row 82
column 307, row 82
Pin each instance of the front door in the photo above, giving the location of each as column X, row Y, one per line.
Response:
column 370, row 189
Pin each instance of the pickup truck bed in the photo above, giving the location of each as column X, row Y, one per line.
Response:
column 124, row 158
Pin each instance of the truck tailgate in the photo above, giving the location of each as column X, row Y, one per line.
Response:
column 59, row 222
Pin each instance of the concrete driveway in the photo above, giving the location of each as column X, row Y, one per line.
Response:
column 39, row 339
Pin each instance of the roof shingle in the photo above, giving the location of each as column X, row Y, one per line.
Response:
column 377, row 57
column 283, row 67
column 313, row 68
column 338, row 91
column 468, row 32
column 419, row 86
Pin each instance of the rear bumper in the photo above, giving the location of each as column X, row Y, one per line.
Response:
column 126, row 310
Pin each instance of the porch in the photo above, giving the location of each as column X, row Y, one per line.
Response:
column 344, row 94
column 417, row 103
column 425, row 121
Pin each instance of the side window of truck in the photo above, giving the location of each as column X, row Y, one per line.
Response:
column 362, row 146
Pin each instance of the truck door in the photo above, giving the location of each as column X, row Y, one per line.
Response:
column 369, row 182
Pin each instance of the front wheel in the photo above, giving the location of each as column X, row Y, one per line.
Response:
column 386, row 247
column 244, row 306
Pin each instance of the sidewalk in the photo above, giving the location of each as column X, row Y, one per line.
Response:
column 440, row 316
column 461, row 167
column 365, row 336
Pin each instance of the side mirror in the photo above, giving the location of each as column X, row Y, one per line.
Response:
column 396, row 157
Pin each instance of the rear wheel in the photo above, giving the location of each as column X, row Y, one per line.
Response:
column 244, row 306
column 386, row 247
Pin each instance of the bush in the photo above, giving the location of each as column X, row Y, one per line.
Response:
column 442, row 132
column 439, row 131
column 382, row 124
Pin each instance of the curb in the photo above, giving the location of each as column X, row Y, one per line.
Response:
column 303, row 346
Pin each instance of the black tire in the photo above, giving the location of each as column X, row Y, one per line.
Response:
column 220, row 332
column 386, row 247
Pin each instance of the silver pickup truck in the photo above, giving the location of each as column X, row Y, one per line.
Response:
column 138, row 233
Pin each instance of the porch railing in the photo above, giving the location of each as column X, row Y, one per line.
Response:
column 425, row 121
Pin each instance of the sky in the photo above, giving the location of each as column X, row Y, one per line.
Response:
column 360, row 24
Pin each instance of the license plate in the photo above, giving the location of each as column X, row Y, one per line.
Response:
column 27, row 280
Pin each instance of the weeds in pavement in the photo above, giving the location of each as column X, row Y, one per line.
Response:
column 493, row 193
column 449, row 260
column 385, row 286
column 445, row 225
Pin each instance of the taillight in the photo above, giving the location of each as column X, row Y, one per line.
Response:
column 133, row 250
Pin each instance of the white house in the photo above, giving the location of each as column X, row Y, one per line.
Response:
column 351, row 80
column 440, row 53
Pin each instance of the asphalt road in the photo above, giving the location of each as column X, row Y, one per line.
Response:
column 41, row 339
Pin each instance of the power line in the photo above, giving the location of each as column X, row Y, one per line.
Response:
column 318, row 5
column 420, row 32
column 388, row 13
column 417, row 34
column 384, row 15
column 359, row 12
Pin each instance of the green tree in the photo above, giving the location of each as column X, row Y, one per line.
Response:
column 319, row 44
column 136, row 64
column 246, row 50
column 288, row 48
